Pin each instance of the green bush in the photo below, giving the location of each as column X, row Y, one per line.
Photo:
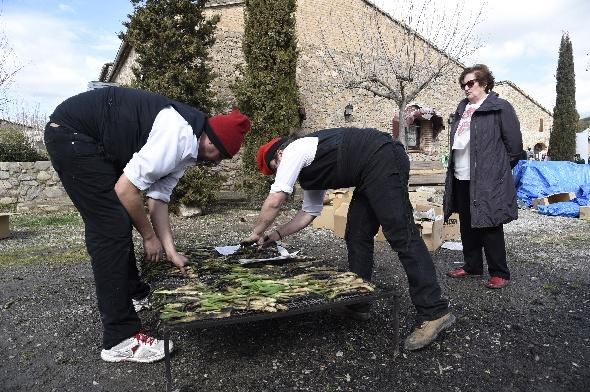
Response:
column 199, row 187
column 15, row 147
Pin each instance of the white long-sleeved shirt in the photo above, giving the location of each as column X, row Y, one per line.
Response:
column 170, row 149
column 296, row 156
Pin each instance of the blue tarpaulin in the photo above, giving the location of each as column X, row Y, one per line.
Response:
column 570, row 209
column 536, row 179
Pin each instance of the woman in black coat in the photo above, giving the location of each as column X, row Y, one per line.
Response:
column 486, row 143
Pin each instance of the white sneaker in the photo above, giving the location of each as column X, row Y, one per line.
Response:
column 138, row 348
column 141, row 304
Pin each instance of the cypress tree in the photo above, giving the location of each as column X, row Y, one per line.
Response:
column 172, row 39
column 267, row 90
column 562, row 141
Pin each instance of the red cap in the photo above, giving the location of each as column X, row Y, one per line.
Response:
column 266, row 154
column 229, row 130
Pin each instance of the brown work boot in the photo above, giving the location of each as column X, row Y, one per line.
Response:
column 426, row 332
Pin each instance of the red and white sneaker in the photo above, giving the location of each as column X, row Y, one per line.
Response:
column 138, row 348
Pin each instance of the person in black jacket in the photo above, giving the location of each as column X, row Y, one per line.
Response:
column 378, row 168
column 486, row 142
column 108, row 145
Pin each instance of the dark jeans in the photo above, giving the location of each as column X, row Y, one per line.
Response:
column 488, row 239
column 89, row 180
column 382, row 199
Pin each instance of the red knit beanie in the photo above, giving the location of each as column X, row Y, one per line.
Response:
column 265, row 154
column 229, row 130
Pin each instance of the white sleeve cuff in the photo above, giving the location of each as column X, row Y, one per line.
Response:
column 159, row 196
column 276, row 188
column 138, row 181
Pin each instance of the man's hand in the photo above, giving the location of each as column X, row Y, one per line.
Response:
column 269, row 239
column 179, row 260
column 251, row 240
column 152, row 248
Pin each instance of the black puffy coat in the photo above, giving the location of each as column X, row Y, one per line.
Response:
column 495, row 143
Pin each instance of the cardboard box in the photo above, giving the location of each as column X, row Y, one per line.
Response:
column 340, row 220
column 326, row 219
column 431, row 233
column 451, row 230
column 556, row 198
column 337, row 202
column 4, row 225
column 419, row 197
column 585, row 212
column 423, row 207
column 340, row 196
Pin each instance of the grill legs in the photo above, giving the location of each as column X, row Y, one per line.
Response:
column 167, row 361
column 395, row 324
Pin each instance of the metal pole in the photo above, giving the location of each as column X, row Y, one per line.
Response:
column 395, row 324
column 167, row 361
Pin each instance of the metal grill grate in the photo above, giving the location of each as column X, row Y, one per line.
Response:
column 303, row 304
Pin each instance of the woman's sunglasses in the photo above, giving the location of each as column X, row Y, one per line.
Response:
column 468, row 84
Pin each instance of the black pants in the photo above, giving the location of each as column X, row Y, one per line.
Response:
column 488, row 239
column 382, row 199
column 89, row 179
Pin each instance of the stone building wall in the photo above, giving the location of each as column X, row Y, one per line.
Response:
column 535, row 123
column 124, row 74
column 338, row 24
column 31, row 186
column 320, row 23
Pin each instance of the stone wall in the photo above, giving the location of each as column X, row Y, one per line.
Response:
column 31, row 186
column 124, row 75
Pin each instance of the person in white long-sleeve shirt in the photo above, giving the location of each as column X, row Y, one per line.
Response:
column 108, row 146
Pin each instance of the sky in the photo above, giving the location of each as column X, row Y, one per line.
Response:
column 62, row 45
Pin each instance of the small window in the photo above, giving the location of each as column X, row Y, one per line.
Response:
column 540, row 125
column 413, row 137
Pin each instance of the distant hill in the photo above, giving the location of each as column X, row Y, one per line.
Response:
column 584, row 123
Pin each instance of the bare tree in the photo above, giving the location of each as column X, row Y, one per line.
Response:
column 9, row 67
column 398, row 54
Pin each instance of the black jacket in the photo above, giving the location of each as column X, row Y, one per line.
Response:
column 495, row 144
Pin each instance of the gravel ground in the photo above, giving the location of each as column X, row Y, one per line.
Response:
column 532, row 336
